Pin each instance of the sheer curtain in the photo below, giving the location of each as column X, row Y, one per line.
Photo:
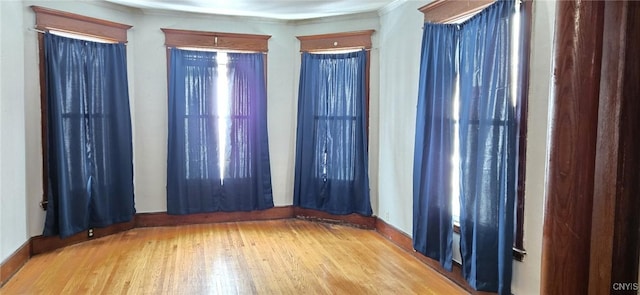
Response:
column 488, row 145
column 218, row 156
column 331, row 172
column 88, row 136
column 433, row 155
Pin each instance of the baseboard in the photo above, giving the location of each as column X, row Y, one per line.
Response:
column 13, row 263
column 394, row 235
column 405, row 242
column 164, row 219
column 42, row 244
column 361, row 221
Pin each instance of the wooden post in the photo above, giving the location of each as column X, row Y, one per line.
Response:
column 574, row 122
column 591, row 225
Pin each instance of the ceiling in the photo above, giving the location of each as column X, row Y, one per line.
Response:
column 275, row 9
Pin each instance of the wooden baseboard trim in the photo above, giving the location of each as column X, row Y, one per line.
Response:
column 42, row 244
column 394, row 235
column 13, row 263
column 357, row 220
column 164, row 219
column 405, row 242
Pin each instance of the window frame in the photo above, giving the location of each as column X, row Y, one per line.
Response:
column 447, row 11
column 344, row 41
column 215, row 41
column 55, row 20
column 339, row 42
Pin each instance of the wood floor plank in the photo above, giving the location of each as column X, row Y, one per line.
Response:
column 265, row 257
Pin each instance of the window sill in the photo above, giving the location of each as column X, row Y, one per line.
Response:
column 518, row 254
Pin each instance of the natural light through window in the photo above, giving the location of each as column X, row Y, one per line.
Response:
column 223, row 110
column 81, row 37
column 455, row 161
column 515, row 53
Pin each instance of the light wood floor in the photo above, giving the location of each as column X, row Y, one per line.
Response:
column 266, row 257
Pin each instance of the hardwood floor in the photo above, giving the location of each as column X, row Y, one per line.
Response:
column 287, row 256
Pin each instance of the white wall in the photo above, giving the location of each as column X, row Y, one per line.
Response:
column 400, row 39
column 13, row 216
column 399, row 60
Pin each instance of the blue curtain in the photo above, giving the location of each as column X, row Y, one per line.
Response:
column 432, row 221
column 88, row 136
column 488, row 145
column 331, row 152
column 218, row 157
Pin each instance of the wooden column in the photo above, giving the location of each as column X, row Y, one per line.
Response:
column 591, row 226
column 614, row 236
column 626, row 239
column 573, row 130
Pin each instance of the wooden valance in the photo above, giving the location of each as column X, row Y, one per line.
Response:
column 444, row 11
column 216, row 40
column 47, row 19
column 337, row 41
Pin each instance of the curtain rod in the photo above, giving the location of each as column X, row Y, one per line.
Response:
column 215, row 49
column 464, row 16
column 331, row 50
column 36, row 30
column 98, row 39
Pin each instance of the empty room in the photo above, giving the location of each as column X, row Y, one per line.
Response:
column 321, row 147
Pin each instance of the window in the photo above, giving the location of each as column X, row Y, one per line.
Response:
column 331, row 152
column 87, row 152
column 444, row 11
column 336, row 119
column 342, row 42
column 218, row 158
column 212, row 73
column 73, row 26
